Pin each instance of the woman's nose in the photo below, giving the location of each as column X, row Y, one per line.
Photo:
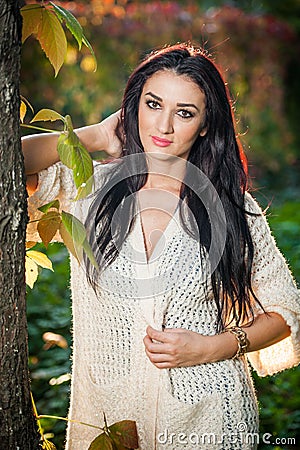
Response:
column 165, row 123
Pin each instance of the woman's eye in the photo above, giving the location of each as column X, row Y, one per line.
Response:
column 185, row 114
column 153, row 104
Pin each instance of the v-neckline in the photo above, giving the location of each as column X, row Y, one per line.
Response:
column 164, row 234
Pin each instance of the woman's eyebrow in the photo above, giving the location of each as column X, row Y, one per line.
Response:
column 187, row 105
column 182, row 105
column 154, row 96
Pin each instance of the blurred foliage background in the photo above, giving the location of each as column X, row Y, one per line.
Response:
column 256, row 43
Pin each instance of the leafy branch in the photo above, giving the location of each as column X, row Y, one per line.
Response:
column 43, row 20
column 71, row 231
column 119, row 436
column 75, row 156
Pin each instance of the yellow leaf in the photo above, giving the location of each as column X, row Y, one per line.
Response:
column 69, row 243
column 48, row 445
column 31, row 271
column 23, row 109
column 52, row 39
column 32, row 17
column 47, row 114
column 40, row 258
column 48, row 226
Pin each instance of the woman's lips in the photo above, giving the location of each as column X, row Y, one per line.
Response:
column 160, row 142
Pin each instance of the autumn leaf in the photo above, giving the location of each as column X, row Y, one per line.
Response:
column 30, row 244
column 48, row 225
column 75, row 28
column 124, row 434
column 69, row 243
column 48, row 445
column 45, row 23
column 102, row 442
column 40, row 259
column 31, row 271
column 33, row 259
column 23, row 110
column 45, row 115
column 32, row 16
column 74, row 236
column 52, row 39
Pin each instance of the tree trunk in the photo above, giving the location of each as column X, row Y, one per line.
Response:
column 18, row 429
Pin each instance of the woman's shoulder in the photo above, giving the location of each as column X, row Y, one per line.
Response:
column 251, row 204
column 103, row 172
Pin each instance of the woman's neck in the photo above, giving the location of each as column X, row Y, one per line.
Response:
column 165, row 173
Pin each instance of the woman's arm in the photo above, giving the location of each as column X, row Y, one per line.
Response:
column 40, row 150
column 180, row 347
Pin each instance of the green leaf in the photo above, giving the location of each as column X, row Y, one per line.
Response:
column 74, row 227
column 124, row 434
column 52, row 39
column 48, row 225
column 32, row 17
column 88, row 45
column 45, row 115
column 75, row 156
column 71, row 22
column 53, row 204
column 102, row 442
column 65, row 150
column 82, row 165
column 85, row 189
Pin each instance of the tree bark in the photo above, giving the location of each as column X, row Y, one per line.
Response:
column 18, row 428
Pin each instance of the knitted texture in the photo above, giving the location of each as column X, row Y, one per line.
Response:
column 208, row 406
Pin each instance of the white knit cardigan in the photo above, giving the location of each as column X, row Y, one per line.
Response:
column 176, row 408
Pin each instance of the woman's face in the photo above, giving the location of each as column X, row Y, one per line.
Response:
column 171, row 114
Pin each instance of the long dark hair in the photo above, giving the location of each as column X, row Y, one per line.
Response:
column 218, row 154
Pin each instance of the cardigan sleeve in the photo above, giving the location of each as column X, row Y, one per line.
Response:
column 55, row 182
column 275, row 288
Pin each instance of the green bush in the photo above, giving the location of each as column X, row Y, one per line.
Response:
column 279, row 401
column 48, row 309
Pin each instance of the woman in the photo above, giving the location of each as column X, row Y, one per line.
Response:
column 190, row 278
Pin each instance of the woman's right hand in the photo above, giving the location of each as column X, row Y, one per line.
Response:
column 112, row 145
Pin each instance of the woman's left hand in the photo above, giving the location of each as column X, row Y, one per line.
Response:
column 176, row 347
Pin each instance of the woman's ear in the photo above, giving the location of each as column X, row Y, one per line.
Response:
column 203, row 132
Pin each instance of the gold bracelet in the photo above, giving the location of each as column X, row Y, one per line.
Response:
column 242, row 340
